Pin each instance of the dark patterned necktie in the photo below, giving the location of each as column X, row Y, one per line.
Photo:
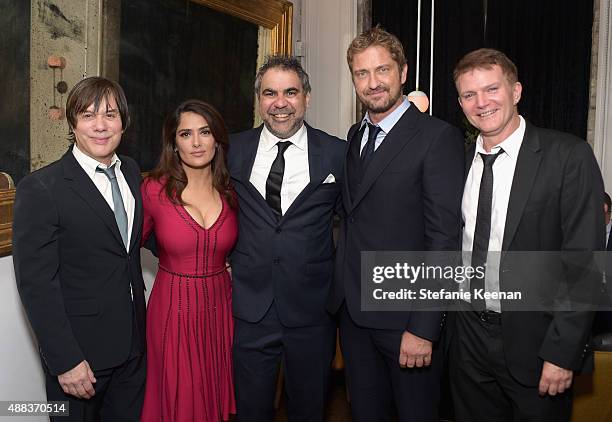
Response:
column 368, row 150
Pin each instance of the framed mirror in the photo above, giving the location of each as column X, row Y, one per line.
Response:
column 272, row 23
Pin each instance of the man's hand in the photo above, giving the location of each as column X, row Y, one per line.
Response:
column 414, row 351
column 78, row 381
column 554, row 380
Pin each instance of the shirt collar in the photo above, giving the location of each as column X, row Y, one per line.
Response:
column 90, row 164
column 298, row 139
column 388, row 122
column 511, row 145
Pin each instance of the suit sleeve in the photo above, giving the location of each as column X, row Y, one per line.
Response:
column 36, row 258
column 339, row 206
column 581, row 224
column 442, row 188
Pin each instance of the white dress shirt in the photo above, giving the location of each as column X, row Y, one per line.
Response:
column 297, row 172
column 385, row 124
column 503, row 173
column 104, row 186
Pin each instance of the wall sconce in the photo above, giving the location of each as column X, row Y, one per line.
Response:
column 57, row 62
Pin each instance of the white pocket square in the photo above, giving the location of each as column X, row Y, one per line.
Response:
column 329, row 179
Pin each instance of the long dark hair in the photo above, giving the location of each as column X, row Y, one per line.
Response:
column 169, row 170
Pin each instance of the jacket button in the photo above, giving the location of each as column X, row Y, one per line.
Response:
column 278, row 230
column 351, row 220
column 276, row 261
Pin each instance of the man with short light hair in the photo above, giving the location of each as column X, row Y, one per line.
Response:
column 527, row 189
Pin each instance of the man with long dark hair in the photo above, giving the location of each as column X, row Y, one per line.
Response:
column 76, row 251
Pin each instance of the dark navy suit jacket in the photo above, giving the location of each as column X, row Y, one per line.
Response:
column 409, row 200
column 287, row 260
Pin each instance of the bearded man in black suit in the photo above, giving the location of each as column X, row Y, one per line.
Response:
column 401, row 192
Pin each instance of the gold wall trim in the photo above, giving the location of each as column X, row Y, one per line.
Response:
column 276, row 15
column 7, row 199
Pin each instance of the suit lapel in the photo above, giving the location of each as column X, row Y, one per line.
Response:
column 315, row 166
column 133, row 181
column 402, row 134
column 525, row 173
column 354, row 135
column 84, row 187
column 249, row 150
column 248, row 159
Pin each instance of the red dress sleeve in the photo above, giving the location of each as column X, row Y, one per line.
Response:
column 150, row 195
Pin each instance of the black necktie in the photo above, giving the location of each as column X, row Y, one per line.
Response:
column 368, row 150
column 275, row 178
column 482, row 231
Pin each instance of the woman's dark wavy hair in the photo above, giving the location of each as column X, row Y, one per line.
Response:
column 169, row 170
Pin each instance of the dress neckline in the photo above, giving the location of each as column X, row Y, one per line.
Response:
column 216, row 220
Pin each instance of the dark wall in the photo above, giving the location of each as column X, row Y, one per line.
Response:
column 548, row 40
column 15, row 88
column 172, row 50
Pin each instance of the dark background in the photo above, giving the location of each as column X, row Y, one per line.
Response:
column 15, row 90
column 548, row 40
column 172, row 50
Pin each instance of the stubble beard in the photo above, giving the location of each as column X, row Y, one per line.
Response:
column 382, row 108
column 297, row 124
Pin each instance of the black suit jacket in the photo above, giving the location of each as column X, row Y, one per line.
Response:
column 409, row 200
column 555, row 205
column 288, row 261
column 72, row 269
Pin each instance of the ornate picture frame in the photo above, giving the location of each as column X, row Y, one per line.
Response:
column 275, row 18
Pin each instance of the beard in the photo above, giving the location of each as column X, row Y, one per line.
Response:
column 382, row 105
column 286, row 129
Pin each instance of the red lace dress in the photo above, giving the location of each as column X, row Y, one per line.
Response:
column 189, row 315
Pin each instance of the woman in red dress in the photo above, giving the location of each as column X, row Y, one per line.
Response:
column 190, row 207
